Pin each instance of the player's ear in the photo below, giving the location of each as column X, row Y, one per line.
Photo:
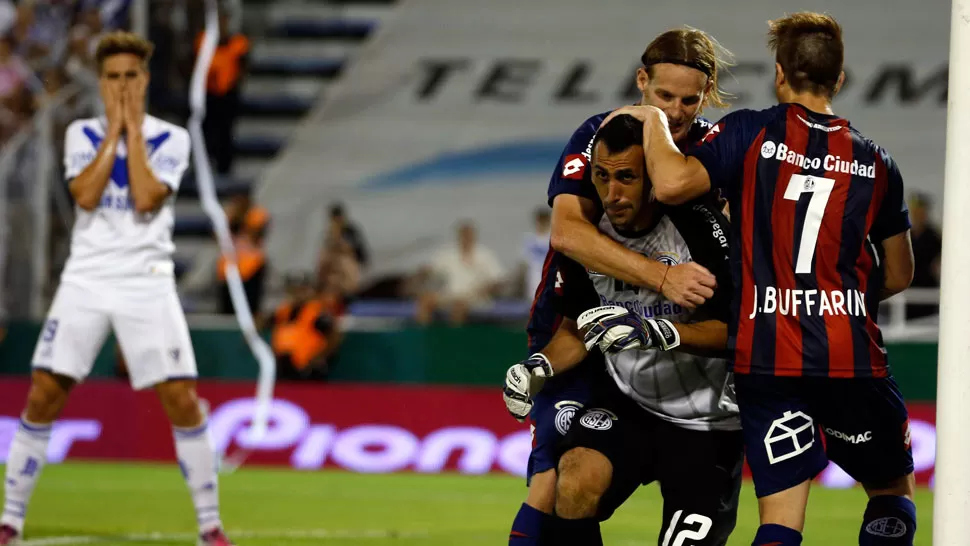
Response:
column 643, row 79
column 779, row 75
column 706, row 99
column 838, row 84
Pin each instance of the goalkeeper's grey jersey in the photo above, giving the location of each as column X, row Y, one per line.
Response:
column 690, row 391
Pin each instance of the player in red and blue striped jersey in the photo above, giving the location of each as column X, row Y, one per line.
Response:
column 679, row 75
column 820, row 235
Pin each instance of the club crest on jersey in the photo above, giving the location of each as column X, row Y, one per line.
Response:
column 887, row 527
column 667, row 258
column 564, row 417
column 574, row 166
column 598, row 419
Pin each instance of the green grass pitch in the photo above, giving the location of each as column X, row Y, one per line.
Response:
column 131, row 504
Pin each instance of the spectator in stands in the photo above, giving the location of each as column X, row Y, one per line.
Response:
column 460, row 278
column 339, row 267
column 54, row 78
column 242, row 211
column 14, row 72
column 253, row 269
column 534, row 249
column 248, row 225
column 927, row 248
column 81, row 46
column 223, row 92
column 168, row 90
column 8, row 17
column 48, row 24
column 306, row 333
column 341, row 224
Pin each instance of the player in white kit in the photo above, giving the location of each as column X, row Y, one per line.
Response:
column 123, row 170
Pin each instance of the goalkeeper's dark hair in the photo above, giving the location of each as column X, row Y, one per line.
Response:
column 621, row 133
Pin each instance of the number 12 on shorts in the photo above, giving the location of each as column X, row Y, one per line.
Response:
column 684, row 535
column 821, row 190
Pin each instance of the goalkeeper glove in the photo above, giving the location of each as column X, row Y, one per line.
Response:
column 613, row 329
column 519, row 384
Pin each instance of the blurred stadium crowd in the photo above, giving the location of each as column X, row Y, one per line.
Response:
column 47, row 46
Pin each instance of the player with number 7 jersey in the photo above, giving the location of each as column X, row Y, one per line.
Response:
column 820, row 235
column 814, row 198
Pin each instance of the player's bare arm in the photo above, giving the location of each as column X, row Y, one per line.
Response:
column 676, row 178
column 899, row 264
column 523, row 380
column 705, row 338
column 87, row 187
column 573, row 234
column 147, row 192
column 566, row 348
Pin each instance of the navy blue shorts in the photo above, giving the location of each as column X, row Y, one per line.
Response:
column 553, row 409
column 793, row 426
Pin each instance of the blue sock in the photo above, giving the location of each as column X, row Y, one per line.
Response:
column 889, row 521
column 771, row 534
column 527, row 528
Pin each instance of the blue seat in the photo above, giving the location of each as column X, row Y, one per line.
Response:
column 257, row 146
column 192, row 226
column 323, row 28
column 276, row 105
column 288, row 66
column 224, row 186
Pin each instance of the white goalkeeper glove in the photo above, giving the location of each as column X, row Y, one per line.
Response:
column 613, row 329
column 520, row 384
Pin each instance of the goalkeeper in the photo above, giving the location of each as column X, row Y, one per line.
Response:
column 657, row 416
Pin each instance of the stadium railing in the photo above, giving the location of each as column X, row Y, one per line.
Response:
column 896, row 327
column 30, row 194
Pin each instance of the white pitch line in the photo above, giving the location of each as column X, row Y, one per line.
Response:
column 346, row 534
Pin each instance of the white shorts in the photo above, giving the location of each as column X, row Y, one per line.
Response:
column 146, row 317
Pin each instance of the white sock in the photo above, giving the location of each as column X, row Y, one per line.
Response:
column 27, row 456
column 198, row 462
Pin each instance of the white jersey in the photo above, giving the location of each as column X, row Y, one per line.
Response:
column 690, row 391
column 534, row 250
column 113, row 240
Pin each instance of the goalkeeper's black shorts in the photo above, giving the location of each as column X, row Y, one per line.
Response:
column 699, row 472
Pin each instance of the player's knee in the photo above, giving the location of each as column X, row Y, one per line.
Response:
column 181, row 403
column 542, row 491
column 584, row 476
column 47, row 396
column 904, row 486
